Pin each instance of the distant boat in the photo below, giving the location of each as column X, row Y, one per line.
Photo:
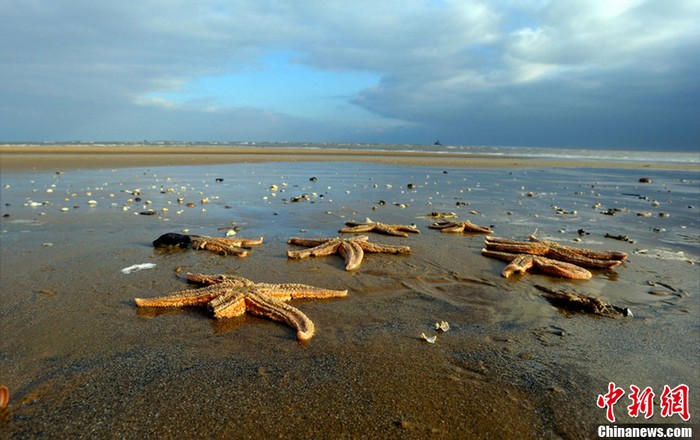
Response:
column 437, row 142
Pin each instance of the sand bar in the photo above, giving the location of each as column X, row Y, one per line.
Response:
column 37, row 157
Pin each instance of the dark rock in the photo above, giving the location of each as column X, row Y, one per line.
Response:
column 172, row 239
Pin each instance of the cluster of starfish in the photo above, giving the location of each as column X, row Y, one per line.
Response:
column 219, row 245
column 549, row 257
column 229, row 296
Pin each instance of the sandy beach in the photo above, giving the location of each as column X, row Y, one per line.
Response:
column 81, row 360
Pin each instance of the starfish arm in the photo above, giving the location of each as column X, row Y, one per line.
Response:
column 520, row 264
column 326, row 248
column 228, row 305
column 269, row 307
column 517, row 247
column 384, row 248
column 246, row 241
column 583, row 252
column 563, row 254
column 442, row 225
column 471, row 227
column 561, row 269
column 182, row 298
column 465, row 226
column 309, row 242
column 233, row 280
column 406, row 228
column 353, row 254
column 222, row 246
column 390, row 230
column 287, row 291
column 505, row 256
column 354, row 227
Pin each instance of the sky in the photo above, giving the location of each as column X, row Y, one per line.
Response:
column 565, row 73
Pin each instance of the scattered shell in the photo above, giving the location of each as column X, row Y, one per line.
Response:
column 92, row 202
column 137, row 267
column 47, row 244
column 430, row 340
column 644, row 214
column 645, row 180
column 442, row 326
column 230, row 233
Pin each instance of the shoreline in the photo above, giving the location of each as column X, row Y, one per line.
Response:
column 39, row 157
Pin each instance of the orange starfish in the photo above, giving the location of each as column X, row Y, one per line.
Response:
column 549, row 257
column 229, row 296
column 370, row 226
column 352, row 249
column 465, row 226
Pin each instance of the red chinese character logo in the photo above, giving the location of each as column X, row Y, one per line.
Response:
column 609, row 400
column 641, row 402
column 675, row 401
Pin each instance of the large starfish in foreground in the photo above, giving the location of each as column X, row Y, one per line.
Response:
column 370, row 226
column 465, row 226
column 228, row 296
column 219, row 245
column 549, row 257
column 352, row 249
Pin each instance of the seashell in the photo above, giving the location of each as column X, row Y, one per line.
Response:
column 442, row 326
column 137, row 267
column 92, row 202
column 4, row 396
column 230, row 233
column 430, row 340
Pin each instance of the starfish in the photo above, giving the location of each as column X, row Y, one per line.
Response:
column 221, row 246
column 465, row 226
column 369, row 226
column 352, row 249
column 549, row 257
column 228, row 296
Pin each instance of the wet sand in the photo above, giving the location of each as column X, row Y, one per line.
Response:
column 81, row 360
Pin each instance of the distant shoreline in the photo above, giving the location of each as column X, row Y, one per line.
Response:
column 54, row 156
